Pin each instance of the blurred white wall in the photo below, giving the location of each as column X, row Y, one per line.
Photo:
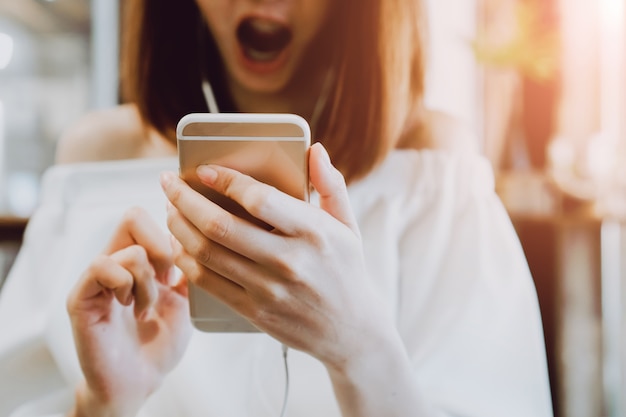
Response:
column 105, row 27
column 43, row 89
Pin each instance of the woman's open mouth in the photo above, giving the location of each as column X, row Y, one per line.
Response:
column 262, row 40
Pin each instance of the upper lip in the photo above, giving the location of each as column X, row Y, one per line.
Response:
column 266, row 18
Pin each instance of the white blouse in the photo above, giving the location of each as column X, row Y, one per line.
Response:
column 439, row 247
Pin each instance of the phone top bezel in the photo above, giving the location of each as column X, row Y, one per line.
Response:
column 242, row 120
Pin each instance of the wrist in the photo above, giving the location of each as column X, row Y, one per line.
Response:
column 379, row 356
column 367, row 346
column 378, row 381
column 88, row 404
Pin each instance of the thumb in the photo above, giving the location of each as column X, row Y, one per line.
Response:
column 331, row 187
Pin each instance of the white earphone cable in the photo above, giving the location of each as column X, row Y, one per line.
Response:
column 209, row 97
column 286, row 396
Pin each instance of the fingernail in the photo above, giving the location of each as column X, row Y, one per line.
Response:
column 174, row 276
column 206, row 174
column 166, row 179
column 325, row 156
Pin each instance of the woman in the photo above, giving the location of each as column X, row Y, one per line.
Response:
column 405, row 294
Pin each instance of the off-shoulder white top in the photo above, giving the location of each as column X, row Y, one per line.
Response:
column 439, row 247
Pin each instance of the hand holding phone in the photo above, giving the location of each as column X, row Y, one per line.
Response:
column 271, row 148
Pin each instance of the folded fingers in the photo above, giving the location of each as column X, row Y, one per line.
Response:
column 138, row 228
column 125, row 275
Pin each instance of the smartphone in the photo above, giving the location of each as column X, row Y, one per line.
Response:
column 272, row 148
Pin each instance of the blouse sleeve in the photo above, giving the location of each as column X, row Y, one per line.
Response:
column 80, row 207
column 27, row 369
column 468, row 309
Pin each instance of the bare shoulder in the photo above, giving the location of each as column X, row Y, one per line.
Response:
column 115, row 133
column 449, row 133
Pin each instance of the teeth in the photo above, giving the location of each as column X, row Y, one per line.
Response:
column 267, row 26
column 263, row 39
column 259, row 55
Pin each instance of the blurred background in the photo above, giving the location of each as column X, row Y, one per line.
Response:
column 539, row 84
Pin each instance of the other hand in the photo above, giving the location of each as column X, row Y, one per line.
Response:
column 129, row 318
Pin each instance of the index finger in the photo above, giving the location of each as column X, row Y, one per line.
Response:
column 138, row 228
column 213, row 221
column 261, row 200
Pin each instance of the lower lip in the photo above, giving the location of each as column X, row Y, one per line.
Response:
column 263, row 67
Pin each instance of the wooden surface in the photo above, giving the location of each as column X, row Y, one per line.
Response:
column 12, row 228
column 11, row 232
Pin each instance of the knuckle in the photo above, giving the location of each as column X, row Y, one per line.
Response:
column 198, row 280
column 203, row 252
column 227, row 182
column 133, row 214
column 277, row 294
column 229, row 270
column 189, row 271
column 138, row 261
column 97, row 267
column 284, row 263
column 174, row 195
column 178, row 259
column 259, row 314
column 193, row 279
column 243, row 306
column 178, row 254
column 218, row 226
column 171, row 219
column 138, row 254
column 200, row 277
column 97, row 264
column 289, row 262
column 256, row 200
column 315, row 237
column 266, row 316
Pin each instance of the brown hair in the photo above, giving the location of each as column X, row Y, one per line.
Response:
column 378, row 62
